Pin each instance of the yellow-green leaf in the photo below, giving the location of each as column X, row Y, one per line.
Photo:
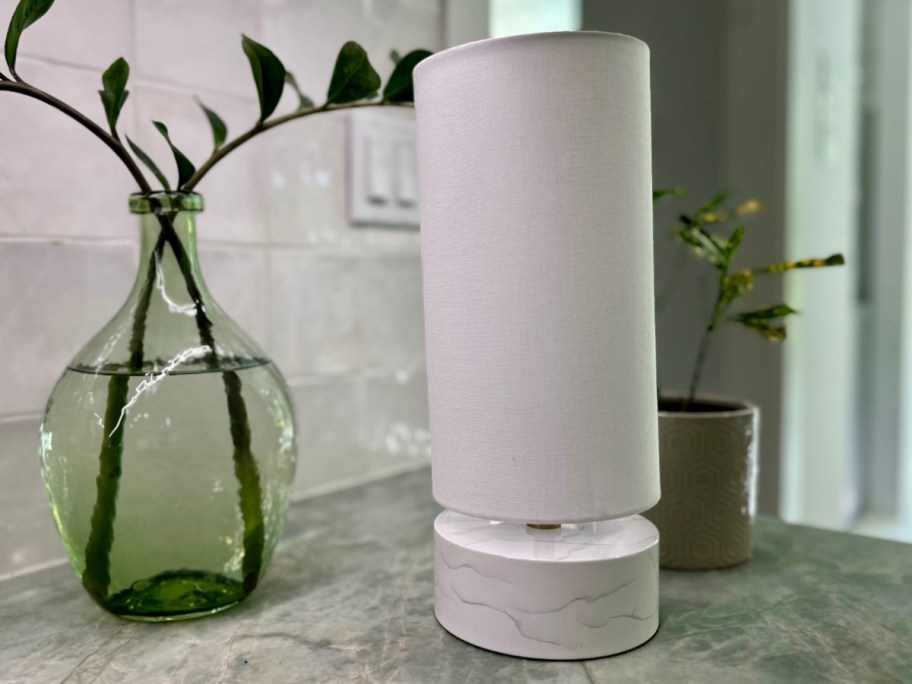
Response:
column 834, row 260
column 778, row 311
column 773, row 333
column 662, row 193
column 734, row 242
column 737, row 285
column 703, row 245
column 716, row 201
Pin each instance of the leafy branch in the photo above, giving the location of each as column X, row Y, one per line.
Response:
column 700, row 233
column 355, row 83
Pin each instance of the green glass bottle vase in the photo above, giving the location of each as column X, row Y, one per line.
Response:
column 168, row 445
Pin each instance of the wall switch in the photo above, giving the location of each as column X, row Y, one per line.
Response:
column 406, row 177
column 382, row 173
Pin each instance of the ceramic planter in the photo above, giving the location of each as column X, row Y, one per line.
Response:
column 708, row 458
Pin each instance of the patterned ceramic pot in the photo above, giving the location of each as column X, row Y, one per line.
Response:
column 708, row 458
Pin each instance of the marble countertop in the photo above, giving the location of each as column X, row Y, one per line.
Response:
column 349, row 598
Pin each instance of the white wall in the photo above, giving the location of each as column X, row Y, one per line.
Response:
column 338, row 308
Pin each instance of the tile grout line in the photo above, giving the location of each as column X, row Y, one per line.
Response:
column 20, row 417
column 356, row 375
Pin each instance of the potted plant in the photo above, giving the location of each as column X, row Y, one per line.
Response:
column 168, row 444
column 708, row 445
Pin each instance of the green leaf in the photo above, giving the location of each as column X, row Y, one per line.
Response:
column 716, row 201
column 704, row 245
column 737, row 285
column 834, row 260
column 662, row 193
column 304, row 102
column 353, row 76
column 734, row 242
column 151, row 165
column 778, row 311
column 219, row 129
column 399, row 87
column 395, row 56
column 268, row 73
column 185, row 168
column 115, row 93
column 774, row 333
column 27, row 12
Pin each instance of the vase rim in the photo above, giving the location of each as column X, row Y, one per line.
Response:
column 165, row 202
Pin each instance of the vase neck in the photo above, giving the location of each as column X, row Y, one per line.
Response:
column 168, row 244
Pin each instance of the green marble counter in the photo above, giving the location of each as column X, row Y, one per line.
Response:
column 350, row 593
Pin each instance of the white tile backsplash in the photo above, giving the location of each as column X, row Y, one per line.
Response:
column 237, row 279
column 314, row 317
column 328, row 415
column 354, row 427
column 395, row 420
column 306, row 183
column 337, row 307
column 390, row 311
column 55, row 296
column 55, row 177
column 197, row 44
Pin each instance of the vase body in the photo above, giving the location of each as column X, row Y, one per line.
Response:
column 168, row 444
column 708, row 466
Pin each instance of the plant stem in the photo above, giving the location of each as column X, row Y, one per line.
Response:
column 717, row 312
column 96, row 576
column 113, row 143
column 245, row 466
column 263, row 126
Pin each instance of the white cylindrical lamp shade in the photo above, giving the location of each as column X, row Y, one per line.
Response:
column 536, row 191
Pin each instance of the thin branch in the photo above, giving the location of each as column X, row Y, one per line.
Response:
column 263, row 126
column 717, row 313
column 31, row 91
column 3, row 77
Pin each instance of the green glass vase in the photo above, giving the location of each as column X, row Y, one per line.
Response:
column 168, row 445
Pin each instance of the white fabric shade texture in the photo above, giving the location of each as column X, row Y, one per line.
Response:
column 536, row 191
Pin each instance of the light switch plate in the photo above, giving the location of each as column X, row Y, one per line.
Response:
column 382, row 186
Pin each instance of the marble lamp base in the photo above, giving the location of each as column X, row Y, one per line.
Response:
column 580, row 591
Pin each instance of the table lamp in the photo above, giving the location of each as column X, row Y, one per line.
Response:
column 536, row 219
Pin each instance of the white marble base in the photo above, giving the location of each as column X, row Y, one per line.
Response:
column 581, row 591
